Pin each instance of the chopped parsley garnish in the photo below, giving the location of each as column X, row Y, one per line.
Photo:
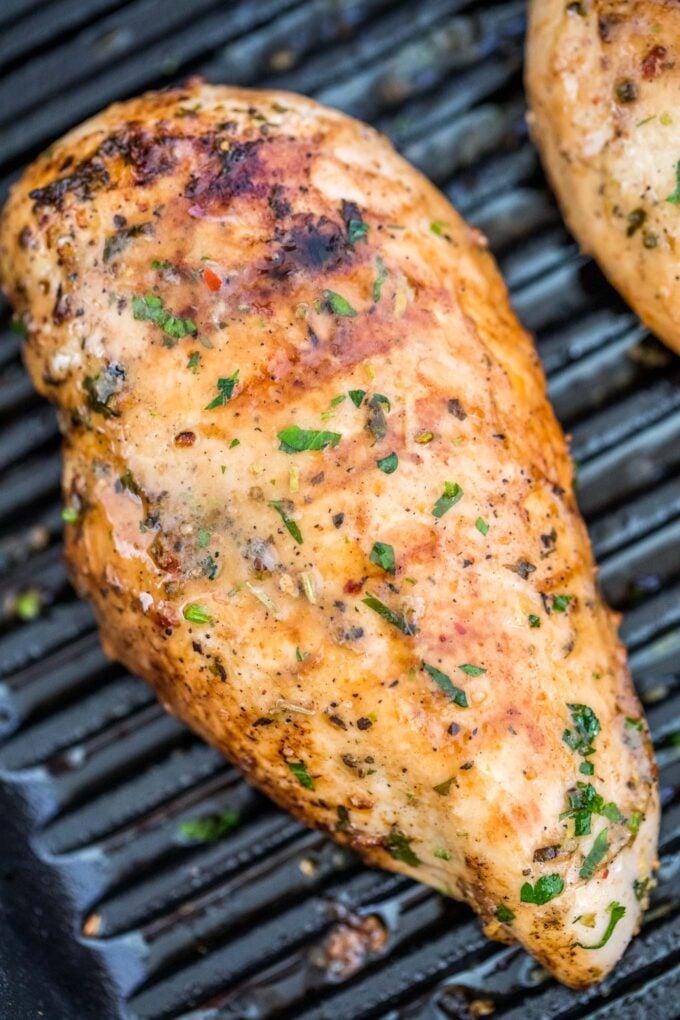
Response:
column 150, row 308
column 338, row 304
column 297, row 440
column 597, row 852
column 585, row 801
column 437, row 227
column 196, row 613
column 281, row 507
column 19, row 327
column 635, row 820
column 443, row 789
column 586, row 728
column 388, row 465
column 616, row 912
column 377, row 422
column 399, row 846
column 397, row 620
column 481, row 526
column 640, row 886
column 301, row 656
column 634, row 724
column 356, row 229
column 338, row 400
column 451, row 495
column 69, row 514
column 232, row 444
column 357, row 397
column 225, row 389
column 382, row 555
column 586, row 768
column 192, row 363
column 209, row 829
column 203, row 536
column 443, row 855
column 546, row 889
column 444, row 682
column 674, row 197
column 379, row 280
column 534, row 621
column 210, row 567
column 299, row 770
column 561, row 602
column 160, row 264
column 504, row 914
column 472, row 670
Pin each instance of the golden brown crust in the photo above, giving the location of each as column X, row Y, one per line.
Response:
column 201, row 270
column 602, row 78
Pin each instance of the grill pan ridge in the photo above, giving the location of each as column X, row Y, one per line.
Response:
column 107, row 910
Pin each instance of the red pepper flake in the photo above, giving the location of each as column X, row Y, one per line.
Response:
column 211, row 279
column 461, row 629
column 605, row 873
column 353, row 587
column 652, row 64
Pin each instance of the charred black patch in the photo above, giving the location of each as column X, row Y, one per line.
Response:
column 233, row 169
column 62, row 307
column 311, row 244
column 278, row 203
column 149, row 155
column 88, row 177
column 606, row 25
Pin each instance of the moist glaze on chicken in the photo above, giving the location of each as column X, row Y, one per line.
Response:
column 317, row 497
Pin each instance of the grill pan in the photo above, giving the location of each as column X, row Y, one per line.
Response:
column 107, row 910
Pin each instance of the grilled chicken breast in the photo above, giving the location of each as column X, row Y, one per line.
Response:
column 603, row 79
column 317, row 497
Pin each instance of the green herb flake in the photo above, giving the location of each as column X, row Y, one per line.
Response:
column 443, row 855
column 597, row 852
column 160, row 264
column 586, row 728
column 338, row 400
column 225, row 389
column 561, row 602
column 382, row 555
column 634, row 724
column 472, row 670
column 69, row 514
column 399, row 847
column 377, row 422
column 504, row 914
column 452, row 494
column 338, row 304
column 357, row 397
column 585, row 801
column 674, row 197
column 203, row 537
column 546, row 889
column 445, row 684
column 299, row 770
column 379, row 280
column 301, row 656
column 193, row 360
column 616, row 912
column 209, row 829
column 296, row 440
column 281, row 507
column 232, row 444
column 443, row 789
column 150, row 308
column 635, row 820
column 356, row 230
column 481, row 526
column 388, row 465
column 640, row 886
column 534, row 621
column 196, row 613
column 28, row 605
column 397, row 620
column 437, row 227
column 18, row 327
column 586, row 768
